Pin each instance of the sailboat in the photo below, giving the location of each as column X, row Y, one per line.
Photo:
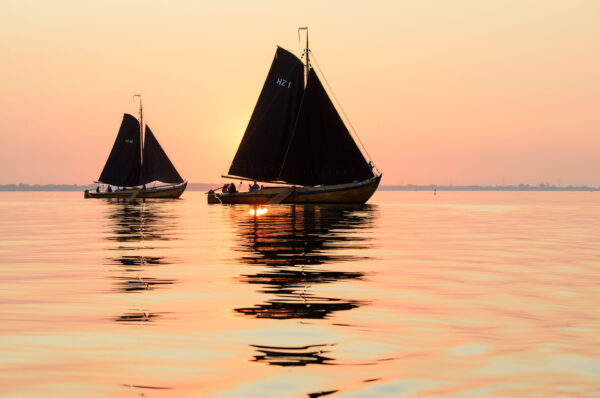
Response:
column 138, row 159
column 296, row 137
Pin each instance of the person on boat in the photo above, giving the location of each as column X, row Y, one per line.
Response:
column 253, row 187
column 144, row 186
column 225, row 188
column 98, row 188
column 232, row 188
column 109, row 189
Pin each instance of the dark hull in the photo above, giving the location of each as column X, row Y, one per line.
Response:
column 161, row 192
column 356, row 192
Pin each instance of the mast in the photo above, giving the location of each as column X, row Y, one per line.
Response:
column 141, row 129
column 305, row 51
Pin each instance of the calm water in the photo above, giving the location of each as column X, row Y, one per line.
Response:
column 459, row 294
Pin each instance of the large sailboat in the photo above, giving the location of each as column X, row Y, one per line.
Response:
column 296, row 137
column 138, row 159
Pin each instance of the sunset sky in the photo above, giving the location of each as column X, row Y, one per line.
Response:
column 440, row 92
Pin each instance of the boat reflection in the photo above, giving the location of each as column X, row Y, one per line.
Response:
column 299, row 248
column 297, row 244
column 137, row 220
column 138, row 226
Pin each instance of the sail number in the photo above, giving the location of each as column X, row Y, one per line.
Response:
column 284, row 83
column 128, row 141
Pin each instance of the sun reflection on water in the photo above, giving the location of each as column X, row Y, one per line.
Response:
column 258, row 211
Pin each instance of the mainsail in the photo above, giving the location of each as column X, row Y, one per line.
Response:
column 124, row 166
column 295, row 134
column 263, row 146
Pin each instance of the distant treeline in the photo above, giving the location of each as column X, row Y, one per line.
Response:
column 205, row 187
column 81, row 188
column 521, row 187
column 47, row 187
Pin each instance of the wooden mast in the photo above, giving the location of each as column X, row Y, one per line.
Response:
column 141, row 129
column 306, row 52
column 307, row 56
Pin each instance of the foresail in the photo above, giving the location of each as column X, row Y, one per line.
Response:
column 122, row 167
column 322, row 151
column 157, row 166
column 262, row 148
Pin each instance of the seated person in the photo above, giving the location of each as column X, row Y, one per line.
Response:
column 254, row 186
column 232, row 188
column 109, row 189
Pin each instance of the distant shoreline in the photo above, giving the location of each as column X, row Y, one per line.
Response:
column 522, row 187
column 205, row 187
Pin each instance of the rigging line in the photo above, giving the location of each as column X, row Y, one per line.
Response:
column 343, row 113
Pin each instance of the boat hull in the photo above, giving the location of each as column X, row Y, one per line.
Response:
column 161, row 192
column 356, row 192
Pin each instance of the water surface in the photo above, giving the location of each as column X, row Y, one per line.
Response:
column 458, row 294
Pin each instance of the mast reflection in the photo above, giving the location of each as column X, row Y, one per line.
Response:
column 137, row 225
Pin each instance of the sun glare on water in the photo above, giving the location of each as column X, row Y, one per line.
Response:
column 259, row 211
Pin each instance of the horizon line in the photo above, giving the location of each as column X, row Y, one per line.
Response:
column 201, row 186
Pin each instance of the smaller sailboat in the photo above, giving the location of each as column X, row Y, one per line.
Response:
column 297, row 137
column 135, row 160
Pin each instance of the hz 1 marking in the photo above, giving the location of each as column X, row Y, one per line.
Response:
column 284, row 83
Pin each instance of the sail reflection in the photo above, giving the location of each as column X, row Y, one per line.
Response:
column 132, row 279
column 296, row 244
column 292, row 356
column 138, row 226
column 138, row 317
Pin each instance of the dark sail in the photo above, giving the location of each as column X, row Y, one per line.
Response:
column 322, row 151
column 122, row 167
column 262, row 149
column 156, row 166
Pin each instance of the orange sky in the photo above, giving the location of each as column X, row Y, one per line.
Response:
column 442, row 92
